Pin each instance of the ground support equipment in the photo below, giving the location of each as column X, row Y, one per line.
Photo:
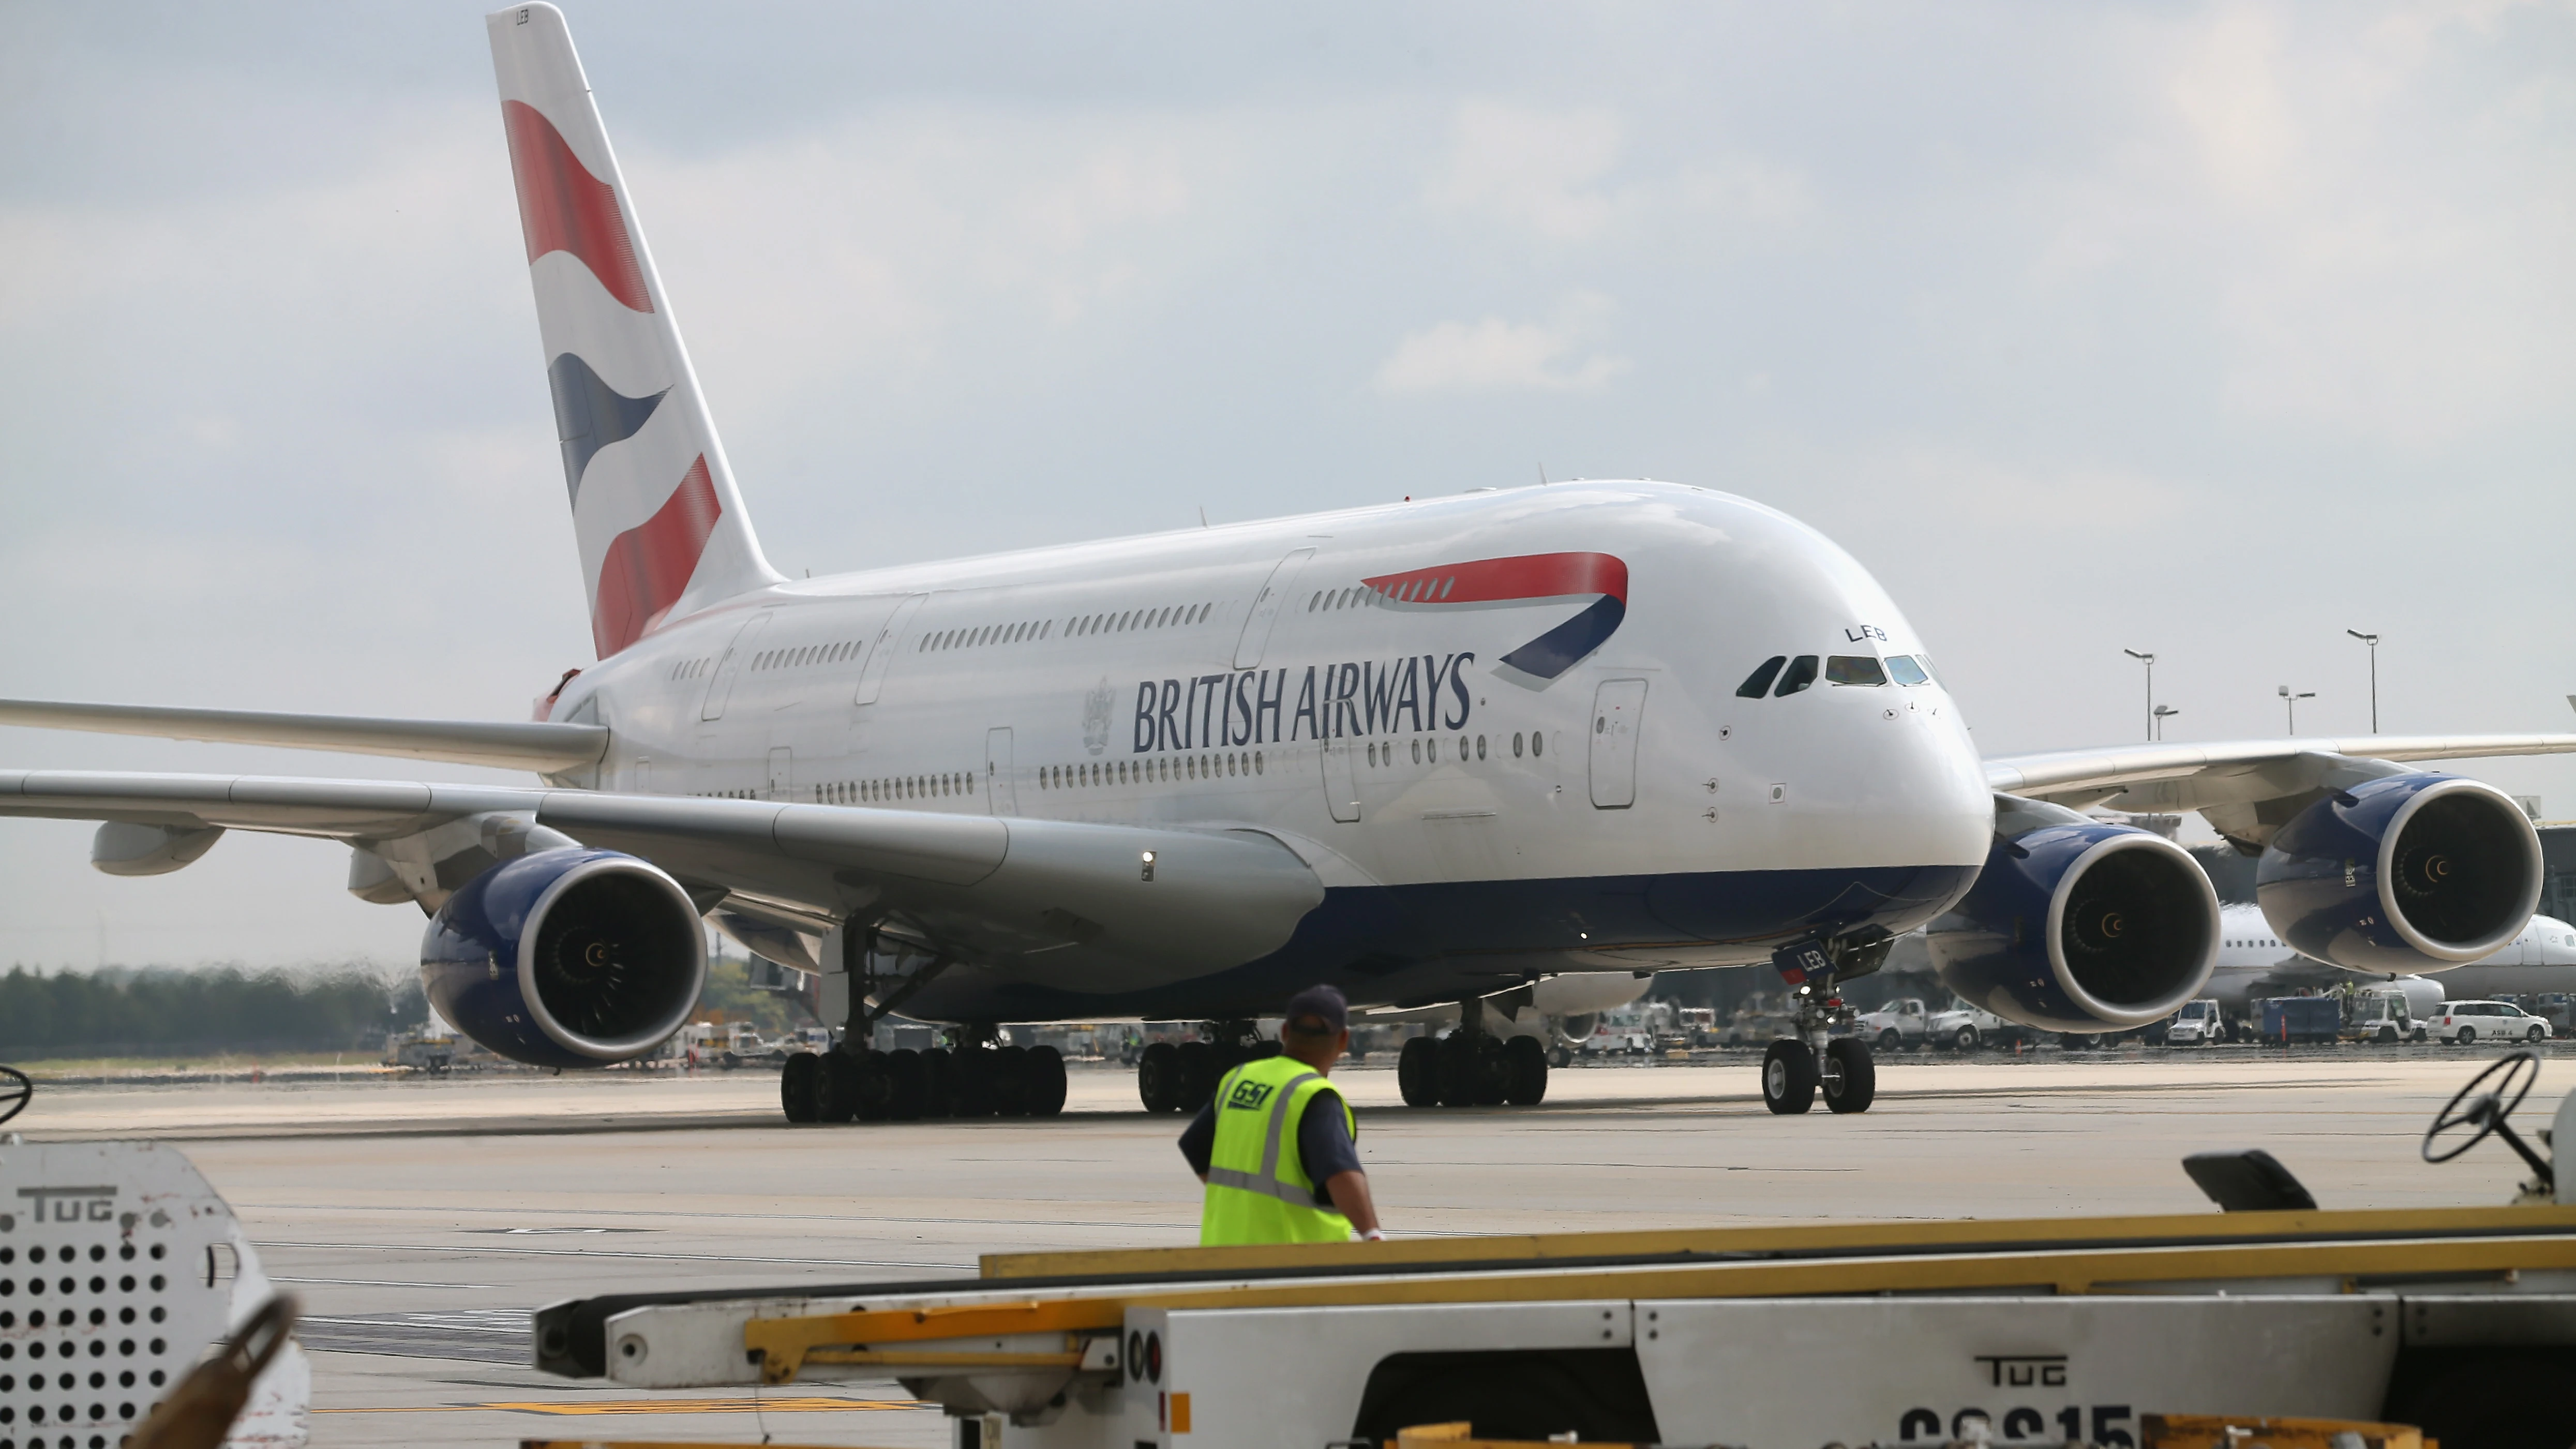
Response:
column 1778, row 1337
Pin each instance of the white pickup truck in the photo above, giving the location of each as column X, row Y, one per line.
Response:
column 1906, row 1022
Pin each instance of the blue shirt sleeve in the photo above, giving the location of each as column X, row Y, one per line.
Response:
column 1198, row 1140
column 1324, row 1145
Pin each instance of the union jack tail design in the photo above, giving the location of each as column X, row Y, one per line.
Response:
column 660, row 524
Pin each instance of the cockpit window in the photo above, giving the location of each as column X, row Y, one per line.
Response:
column 1758, row 683
column 1906, row 671
column 1854, row 669
column 1800, row 674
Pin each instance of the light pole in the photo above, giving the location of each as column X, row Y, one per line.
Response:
column 2373, row 641
column 2290, row 702
column 2163, row 712
column 2148, row 660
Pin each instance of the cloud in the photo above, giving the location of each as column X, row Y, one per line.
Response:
column 1493, row 355
column 1535, row 167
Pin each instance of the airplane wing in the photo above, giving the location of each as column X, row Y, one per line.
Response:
column 1000, row 887
column 542, row 747
column 2240, row 773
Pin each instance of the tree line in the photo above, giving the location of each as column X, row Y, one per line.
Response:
column 162, row 1012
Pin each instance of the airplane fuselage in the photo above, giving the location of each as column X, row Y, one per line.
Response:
column 1503, row 728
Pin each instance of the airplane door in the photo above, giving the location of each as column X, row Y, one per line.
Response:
column 782, row 766
column 1618, row 707
column 1001, row 793
column 881, row 651
column 736, row 653
column 1265, row 613
column 1341, row 782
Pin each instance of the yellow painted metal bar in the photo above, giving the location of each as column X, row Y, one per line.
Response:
column 785, row 1342
column 1538, row 1248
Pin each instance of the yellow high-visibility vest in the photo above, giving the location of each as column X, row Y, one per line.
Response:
column 1257, row 1189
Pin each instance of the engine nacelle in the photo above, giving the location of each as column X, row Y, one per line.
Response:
column 2079, row 925
column 566, row 958
column 2405, row 873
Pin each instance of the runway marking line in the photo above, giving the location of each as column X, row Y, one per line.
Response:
column 807, row 1404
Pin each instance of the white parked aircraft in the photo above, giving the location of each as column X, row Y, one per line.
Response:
column 2254, row 962
column 1432, row 752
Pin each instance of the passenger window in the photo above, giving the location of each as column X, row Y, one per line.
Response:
column 1758, row 683
column 1906, row 671
column 1854, row 669
column 1800, row 673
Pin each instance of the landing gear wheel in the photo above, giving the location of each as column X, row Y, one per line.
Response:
column 1851, row 1077
column 1158, row 1077
column 1493, row 1078
column 938, row 1073
column 1199, row 1072
column 1044, row 1077
column 1788, row 1077
column 1563, row 1056
column 1417, row 1072
column 876, row 1088
column 797, row 1085
column 1456, row 1070
column 970, row 1083
column 1010, row 1068
column 906, row 1083
column 836, row 1096
column 1524, row 1072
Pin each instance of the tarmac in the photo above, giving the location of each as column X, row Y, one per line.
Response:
column 419, row 1220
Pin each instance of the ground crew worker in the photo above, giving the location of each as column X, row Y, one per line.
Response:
column 1277, row 1144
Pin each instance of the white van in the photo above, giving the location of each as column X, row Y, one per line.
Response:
column 2468, row 1021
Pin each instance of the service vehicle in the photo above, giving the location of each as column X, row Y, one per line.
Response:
column 2294, row 1020
column 1901, row 1023
column 2463, row 1022
column 2379, row 1014
column 2199, row 1023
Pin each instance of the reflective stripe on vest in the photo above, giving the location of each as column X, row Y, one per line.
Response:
column 1254, row 1192
column 1267, row 1181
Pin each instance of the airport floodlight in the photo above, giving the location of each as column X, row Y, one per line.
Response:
column 2148, row 660
column 2290, row 703
column 2163, row 712
column 2373, row 641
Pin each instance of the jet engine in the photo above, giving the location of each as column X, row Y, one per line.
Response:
column 2077, row 924
column 2410, row 872
column 566, row 958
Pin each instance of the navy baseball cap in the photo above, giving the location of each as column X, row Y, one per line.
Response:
column 1319, row 1003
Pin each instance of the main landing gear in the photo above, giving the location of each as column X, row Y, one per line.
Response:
column 1794, row 1068
column 1181, row 1077
column 1470, row 1067
column 979, row 1077
column 978, row 1074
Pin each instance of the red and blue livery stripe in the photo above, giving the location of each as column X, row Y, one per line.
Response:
column 1533, row 578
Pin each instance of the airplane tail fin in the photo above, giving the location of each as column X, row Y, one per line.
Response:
column 661, row 525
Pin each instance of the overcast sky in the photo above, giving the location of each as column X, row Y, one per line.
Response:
column 2206, row 329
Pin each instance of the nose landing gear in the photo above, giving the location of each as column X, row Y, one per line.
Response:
column 1795, row 1066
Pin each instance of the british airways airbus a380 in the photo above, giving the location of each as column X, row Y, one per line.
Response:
column 1462, row 750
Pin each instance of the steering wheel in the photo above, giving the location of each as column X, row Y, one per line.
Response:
column 15, row 1089
column 2486, row 1110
